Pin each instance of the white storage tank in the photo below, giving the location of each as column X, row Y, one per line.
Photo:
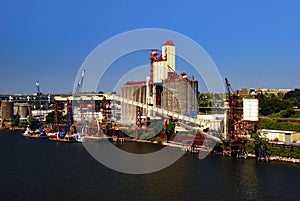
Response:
column 250, row 109
column 24, row 110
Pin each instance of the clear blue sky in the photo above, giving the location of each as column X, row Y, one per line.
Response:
column 253, row 44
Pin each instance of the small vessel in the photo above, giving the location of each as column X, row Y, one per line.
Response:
column 36, row 134
column 66, row 138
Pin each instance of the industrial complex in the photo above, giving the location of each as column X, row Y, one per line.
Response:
column 164, row 104
column 164, row 88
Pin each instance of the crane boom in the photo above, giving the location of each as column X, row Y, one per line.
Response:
column 229, row 89
column 80, row 82
column 70, row 120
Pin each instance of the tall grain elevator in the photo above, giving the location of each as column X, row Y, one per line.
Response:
column 164, row 88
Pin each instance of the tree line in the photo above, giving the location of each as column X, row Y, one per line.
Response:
column 282, row 105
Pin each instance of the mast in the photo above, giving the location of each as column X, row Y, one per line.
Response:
column 37, row 84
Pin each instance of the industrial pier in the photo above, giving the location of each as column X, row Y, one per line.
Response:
column 147, row 109
column 164, row 99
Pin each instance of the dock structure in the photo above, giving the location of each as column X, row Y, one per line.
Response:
column 113, row 97
column 202, row 123
column 199, row 124
column 164, row 96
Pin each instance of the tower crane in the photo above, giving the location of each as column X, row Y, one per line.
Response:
column 231, row 113
column 229, row 89
column 70, row 120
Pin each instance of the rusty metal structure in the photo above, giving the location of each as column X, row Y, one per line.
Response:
column 239, row 127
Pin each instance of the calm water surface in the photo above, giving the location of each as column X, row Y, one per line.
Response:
column 39, row 169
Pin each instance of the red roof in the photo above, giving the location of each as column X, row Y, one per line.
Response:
column 135, row 83
column 169, row 42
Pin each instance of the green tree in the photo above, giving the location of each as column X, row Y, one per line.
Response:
column 292, row 94
column 272, row 104
column 293, row 101
column 279, row 125
column 204, row 100
column 23, row 124
column 169, row 130
column 250, row 148
column 287, row 113
column 33, row 123
column 16, row 120
column 259, row 142
column 265, row 108
column 280, row 95
column 50, row 118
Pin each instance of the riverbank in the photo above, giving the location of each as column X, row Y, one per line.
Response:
column 284, row 159
column 186, row 148
column 196, row 150
column 279, row 158
column 12, row 128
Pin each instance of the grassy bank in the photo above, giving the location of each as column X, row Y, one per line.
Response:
column 278, row 124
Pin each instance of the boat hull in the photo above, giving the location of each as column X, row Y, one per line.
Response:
column 35, row 136
column 62, row 140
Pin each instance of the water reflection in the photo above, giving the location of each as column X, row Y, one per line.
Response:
column 45, row 170
column 247, row 180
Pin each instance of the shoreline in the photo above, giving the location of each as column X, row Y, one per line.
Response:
column 279, row 158
column 252, row 156
column 186, row 148
column 284, row 159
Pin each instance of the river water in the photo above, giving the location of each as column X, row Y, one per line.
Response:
column 39, row 169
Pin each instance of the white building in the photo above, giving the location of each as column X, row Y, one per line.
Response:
column 281, row 136
column 164, row 64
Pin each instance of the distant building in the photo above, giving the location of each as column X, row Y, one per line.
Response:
column 46, row 99
column 286, row 137
column 253, row 91
column 272, row 91
column 246, row 91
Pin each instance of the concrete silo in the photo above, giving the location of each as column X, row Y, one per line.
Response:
column 7, row 108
